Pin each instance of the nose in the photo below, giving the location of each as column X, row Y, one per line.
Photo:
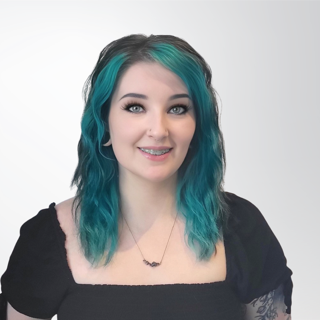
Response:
column 158, row 126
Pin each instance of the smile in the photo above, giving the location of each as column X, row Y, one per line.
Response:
column 161, row 156
column 155, row 152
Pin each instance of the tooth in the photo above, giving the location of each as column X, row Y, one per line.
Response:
column 156, row 152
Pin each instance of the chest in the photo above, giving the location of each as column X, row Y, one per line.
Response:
column 179, row 263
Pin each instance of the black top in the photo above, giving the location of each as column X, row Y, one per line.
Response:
column 38, row 281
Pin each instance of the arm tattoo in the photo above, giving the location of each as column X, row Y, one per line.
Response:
column 268, row 307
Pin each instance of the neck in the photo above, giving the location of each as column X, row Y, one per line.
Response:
column 147, row 205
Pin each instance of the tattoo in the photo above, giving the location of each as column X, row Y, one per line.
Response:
column 268, row 307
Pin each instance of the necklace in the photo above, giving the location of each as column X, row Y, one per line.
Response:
column 153, row 264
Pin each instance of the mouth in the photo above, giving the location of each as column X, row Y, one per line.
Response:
column 158, row 155
column 155, row 148
column 155, row 152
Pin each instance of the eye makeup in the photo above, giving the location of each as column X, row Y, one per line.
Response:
column 130, row 104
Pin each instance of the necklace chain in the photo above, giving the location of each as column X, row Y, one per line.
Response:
column 153, row 264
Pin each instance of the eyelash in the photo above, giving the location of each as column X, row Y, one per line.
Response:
column 132, row 103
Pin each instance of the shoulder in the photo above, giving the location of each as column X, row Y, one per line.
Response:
column 65, row 205
column 64, row 208
column 256, row 261
column 245, row 217
column 64, row 214
column 249, row 230
column 35, row 278
column 241, row 205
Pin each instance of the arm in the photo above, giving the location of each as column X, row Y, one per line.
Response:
column 268, row 307
column 34, row 282
column 13, row 314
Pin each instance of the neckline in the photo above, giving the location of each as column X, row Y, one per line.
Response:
column 61, row 237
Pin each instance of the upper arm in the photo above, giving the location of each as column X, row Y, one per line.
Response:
column 270, row 306
column 35, row 280
column 257, row 264
column 13, row 314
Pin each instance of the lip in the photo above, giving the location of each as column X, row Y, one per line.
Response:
column 156, row 148
column 155, row 158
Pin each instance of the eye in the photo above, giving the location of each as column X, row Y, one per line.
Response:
column 181, row 107
column 132, row 104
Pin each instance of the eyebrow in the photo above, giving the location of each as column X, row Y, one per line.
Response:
column 142, row 96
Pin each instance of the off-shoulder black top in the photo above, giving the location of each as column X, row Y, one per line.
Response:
column 38, row 281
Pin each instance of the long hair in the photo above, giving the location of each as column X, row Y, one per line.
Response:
column 199, row 194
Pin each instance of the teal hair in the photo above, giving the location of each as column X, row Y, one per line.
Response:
column 199, row 194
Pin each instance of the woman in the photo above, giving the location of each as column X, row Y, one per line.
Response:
column 150, row 234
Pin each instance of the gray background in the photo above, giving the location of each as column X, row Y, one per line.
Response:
column 265, row 62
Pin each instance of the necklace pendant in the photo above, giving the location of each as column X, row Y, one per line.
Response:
column 153, row 264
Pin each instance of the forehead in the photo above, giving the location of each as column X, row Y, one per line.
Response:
column 144, row 76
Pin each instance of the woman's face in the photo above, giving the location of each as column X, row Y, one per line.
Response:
column 151, row 120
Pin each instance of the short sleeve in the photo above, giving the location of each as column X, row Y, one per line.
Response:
column 34, row 282
column 256, row 264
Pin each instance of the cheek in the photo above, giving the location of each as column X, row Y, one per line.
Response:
column 122, row 130
column 186, row 132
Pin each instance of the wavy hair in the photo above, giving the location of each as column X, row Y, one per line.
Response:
column 199, row 194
